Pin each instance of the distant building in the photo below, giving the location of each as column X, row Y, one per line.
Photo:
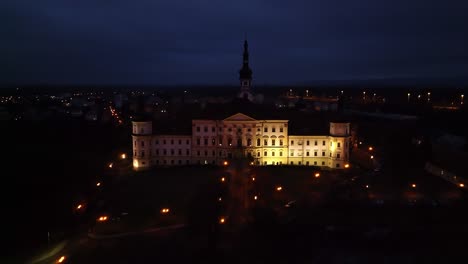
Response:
column 266, row 142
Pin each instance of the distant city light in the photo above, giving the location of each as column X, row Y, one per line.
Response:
column 279, row 188
column 253, row 178
column 317, row 175
column 222, row 220
column 367, row 186
column 98, row 184
column 372, row 156
column 220, row 199
column 79, row 207
column 346, row 165
column 413, row 185
column 165, row 210
column 123, row 156
column 111, row 165
column 371, row 148
column 461, row 185
column 223, row 179
column 225, row 163
column 255, row 197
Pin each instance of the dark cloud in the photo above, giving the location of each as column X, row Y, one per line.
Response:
column 200, row 42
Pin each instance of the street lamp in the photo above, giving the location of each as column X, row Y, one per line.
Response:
column 110, row 165
column 279, row 188
column 222, row 220
column 223, row 179
column 372, row 156
column 102, row 218
column 61, row 259
column 98, row 184
column 413, row 185
column 461, row 185
column 123, row 156
column 255, row 197
column 317, row 175
column 164, row 210
column 346, row 166
column 225, row 163
column 371, row 148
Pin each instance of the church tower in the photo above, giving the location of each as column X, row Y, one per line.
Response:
column 245, row 75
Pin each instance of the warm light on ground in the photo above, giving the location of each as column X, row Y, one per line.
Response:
column 61, row 259
column 165, row 210
column 102, row 218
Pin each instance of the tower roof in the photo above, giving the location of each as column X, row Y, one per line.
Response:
column 245, row 72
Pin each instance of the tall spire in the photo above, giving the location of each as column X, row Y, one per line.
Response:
column 245, row 72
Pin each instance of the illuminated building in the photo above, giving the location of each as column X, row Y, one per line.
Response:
column 267, row 142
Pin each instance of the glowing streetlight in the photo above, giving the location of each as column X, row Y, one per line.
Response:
column 222, row 220
column 253, row 178
column 461, row 185
column 255, row 197
column 223, row 179
column 372, row 156
column 409, row 96
column 279, row 188
column 164, row 210
column 317, row 175
column 371, row 148
column 111, row 165
column 413, row 185
column 346, row 166
column 103, row 218
column 123, row 156
column 79, row 207
column 98, row 184
column 61, row 259
column 225, row 163
column 220, row 199
column 367, row 186
column 461, row 97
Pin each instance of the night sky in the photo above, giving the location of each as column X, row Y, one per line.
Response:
column 170, row 42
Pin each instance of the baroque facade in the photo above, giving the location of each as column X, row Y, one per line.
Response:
column 266, row 142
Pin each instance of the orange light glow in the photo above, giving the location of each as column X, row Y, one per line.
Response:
column 165, row 210
column 225, row 163
column 255, row 197
column 346, row 165
column 371, row 156
column 253, row 178
column 110, row 165
column 98, row 184
column 461, row 185
column 79, row 207
column 102, row 218
column 279, row 188
column 317, row 175
column 222, row 220
column 61, row 259
column 413, row 185
column 123, row 156
column 371, row 148
column 223, row 179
